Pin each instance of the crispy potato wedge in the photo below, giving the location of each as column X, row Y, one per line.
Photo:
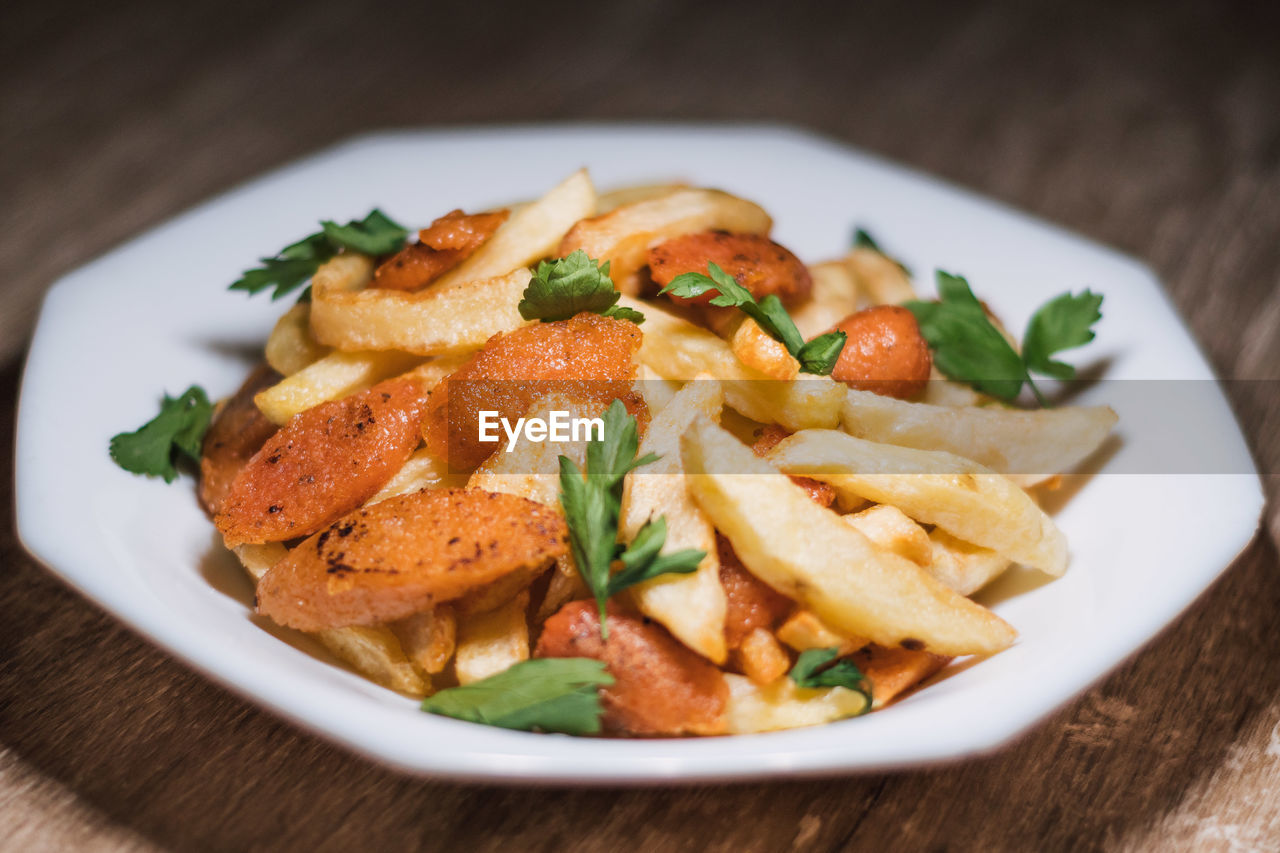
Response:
column 492, row 642
column 880, row 280
column 834, row 297
column 333, row 377
column 891, row 529
column 692, row 606
column 531, row 233
column 291, row 347
column 676, row 349
column 373, row 651
column 439, row 319
column 803, row 630
column 956, row 494
column 782, row 705
column 625, row 234
column 390, row 560
column 1028, row 446
column 761, row 658
column 961, row 565
column 427, row 638
column 754, row 348
column 808, row 553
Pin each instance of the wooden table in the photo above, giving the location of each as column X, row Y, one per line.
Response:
column 1155, row 129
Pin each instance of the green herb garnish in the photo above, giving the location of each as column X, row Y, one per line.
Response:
column 177, row 431
column 545, row 694
column 862, row 239
column 817, row 356
column 814, row 669
column 592, row 504
column 296, row 263
column 969, row 348
column 565, row 287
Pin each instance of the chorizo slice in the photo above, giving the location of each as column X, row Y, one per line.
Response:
column 756, row 262
column 237, row 431
column 885, row 352
column 443, row 245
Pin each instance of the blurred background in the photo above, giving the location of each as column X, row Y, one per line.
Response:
column 1152, row 127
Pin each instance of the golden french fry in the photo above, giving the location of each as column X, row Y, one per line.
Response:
column 834, row 297
column 676, row 349
column 489, row 643
column 428, row 638
column 1029, row 446
column 422, row 471
column 956, row 494
column 657, row 392
column 615, row 198
column 891, row 529
column 761, row 658
column 290, row 346
column 331, row 378
column 803, row 630
column 961, row 565
column 532, row 232
column 565, row 585
column 439, row 319
column 782, row 705
column 532, row 468
column 880, row 280
column 756, row 349
column 692, row 607
column 374, row 651
column 624, row 235
column 942, row 391
column 808, row 553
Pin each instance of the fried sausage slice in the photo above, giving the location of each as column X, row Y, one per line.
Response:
column 406, row 554
column 443, row 245
column 322, row 464
column 884, row 353
column 752, row 603
column 756, row 262
column 587, row 358
column 238, row 429
column 660, row 688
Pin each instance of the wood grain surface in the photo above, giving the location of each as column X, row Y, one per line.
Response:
column 1154, row 128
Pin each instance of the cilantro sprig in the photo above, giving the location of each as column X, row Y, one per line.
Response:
column 544, row 694
column 568, row 286
column 815, row 668
column 592, row 503
column 969, row 348
column 817, row 356
column 177, row 431
column 295, row 264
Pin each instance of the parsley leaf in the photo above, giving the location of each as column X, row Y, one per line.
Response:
column 862, row 239
column 1062, row 323
column 814, row 669
column 565, row 287
column 376, row 234
column 544, row 694
column 178, row 429
column 969, row 348
column 817, row 356
column 592, row 503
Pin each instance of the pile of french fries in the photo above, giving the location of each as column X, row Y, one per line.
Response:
column 934, row 498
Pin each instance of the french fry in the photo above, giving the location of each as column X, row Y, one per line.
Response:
column 624, row 235
column 532, row 232
column 956, row 494
column 428, row 638
column 891, row 529
column 761, row 658
column 331, row 378
column 692, row 607
column 532, row 468
column 290, row 346
column 615, row 198
column 803, row 630
column 676, row 349
column 374, row 651
column 439, row 319
column 489, row 643
column 834, row 297
column 894, row 671
column 961, row 565
column 808, row 553
column 422, row 471
column 880, row 280
column 782, row 705
column 756, row 349
column 1029, row 446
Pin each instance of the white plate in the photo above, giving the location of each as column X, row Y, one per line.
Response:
column 155, row 315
